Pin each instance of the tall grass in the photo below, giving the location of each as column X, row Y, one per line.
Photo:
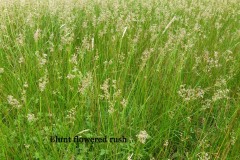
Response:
column 163, row 74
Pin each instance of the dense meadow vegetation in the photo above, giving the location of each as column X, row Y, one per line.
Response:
column 165, row 75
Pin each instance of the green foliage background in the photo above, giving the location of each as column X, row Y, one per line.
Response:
column 116, row 68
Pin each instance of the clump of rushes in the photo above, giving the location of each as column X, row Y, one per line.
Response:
column 164, row 75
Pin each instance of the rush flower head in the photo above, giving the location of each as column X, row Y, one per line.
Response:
column 74, row 59
column 37, row 35
column 21, row 60
column 42, row 82
column 42, row 58
column 25, row 85
column 142, row 136
column 188, row 93
column 13, row 102
column 1, row 70
column 31, row 117
column 71, row 116
column 124, row 102
column 27, row 145
column 85, row 83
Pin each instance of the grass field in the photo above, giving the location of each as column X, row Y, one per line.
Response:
column 161, row 78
